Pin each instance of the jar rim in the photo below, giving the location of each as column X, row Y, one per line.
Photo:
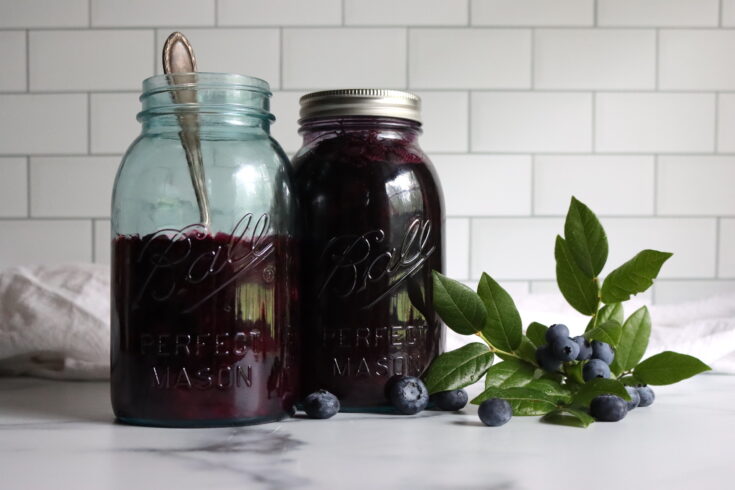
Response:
column 206, row 80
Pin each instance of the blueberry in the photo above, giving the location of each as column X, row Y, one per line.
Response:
column 558, row 331
column 450, row 401
column 647, row 395
column 585, row 348
column 565, row 350
column 602, row 351
column 608, row 408
column 635, row 398
column 546, row 359
column 495, row 412
column 409, row 395
column 595, row 368
column 321, row 405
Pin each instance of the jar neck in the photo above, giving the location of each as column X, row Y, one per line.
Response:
column 206, row 102
column 372, row 126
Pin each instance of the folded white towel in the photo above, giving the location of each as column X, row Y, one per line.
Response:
column 54, row 322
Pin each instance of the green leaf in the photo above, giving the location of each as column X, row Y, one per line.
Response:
column 458, row 306
column 634, row 276
column 509, row 374
column 579, row 290
column 633, row 341
column 586, row 239
column 668, row 368
column 536, row 332
column 613, row 311
column 574, row 373
column 458, row 368
column 527, row 351
column 599, row 386
column 631, row 380
column 503, row 325
column 524, row 401
column 569, row 416
column 552, row 388
column 609, row 332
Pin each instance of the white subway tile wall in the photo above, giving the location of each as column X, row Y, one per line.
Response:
column 627, row 104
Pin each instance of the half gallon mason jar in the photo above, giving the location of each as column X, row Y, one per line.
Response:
column 371, row 232
column 203, row 279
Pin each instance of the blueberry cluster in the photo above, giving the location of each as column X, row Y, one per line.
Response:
column 597, row 356
column 612, row 408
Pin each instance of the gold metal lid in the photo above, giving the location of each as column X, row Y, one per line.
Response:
column 361, row 102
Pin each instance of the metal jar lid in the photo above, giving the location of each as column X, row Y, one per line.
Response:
column 361, row 102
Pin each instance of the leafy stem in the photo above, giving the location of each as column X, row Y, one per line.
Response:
column 494, row 349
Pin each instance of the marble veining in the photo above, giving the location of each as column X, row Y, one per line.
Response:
column 56, row 433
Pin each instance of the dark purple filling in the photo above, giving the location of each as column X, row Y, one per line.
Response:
column 201, row 328
column 371, row 233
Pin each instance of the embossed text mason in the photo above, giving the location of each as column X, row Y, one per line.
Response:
column 371, row 231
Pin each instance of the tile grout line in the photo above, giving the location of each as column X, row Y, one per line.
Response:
column 718, row 234
column 594, row 13
column 533, row 185
column 719, row 14
column 28, row 186
column 89, row 14
column 469, row 13
column 524, row 27
column 343, row 14
column 408, row 58
column 280, row 58
column 216, row 13
column 532, row 70
column 469, row 247
column 89, row 123
column 469, row 121
column 655, row 184
column 656, row 59
column 28, row 60
column 593, row 133
column 94, row 231
column 717, row 122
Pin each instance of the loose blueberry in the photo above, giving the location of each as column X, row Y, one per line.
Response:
column 495, row 412
column 585, row 348
column 608, row 408
column 602, row 351
column 565, row 350
column 450, row 401
column 558, row 331
column 647, row 395
column 635, row 398
column 321, row 405
column 595, row 368
column 546, row 359
column 389, row 385
column 409, row 395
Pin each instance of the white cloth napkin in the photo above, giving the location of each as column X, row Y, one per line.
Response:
column 54, row 323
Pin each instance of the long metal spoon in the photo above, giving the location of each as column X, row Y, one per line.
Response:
column 180, row 64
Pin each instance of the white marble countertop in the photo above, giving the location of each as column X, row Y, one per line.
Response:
column 61, row 435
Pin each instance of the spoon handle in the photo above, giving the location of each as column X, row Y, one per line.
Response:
column 179, row 63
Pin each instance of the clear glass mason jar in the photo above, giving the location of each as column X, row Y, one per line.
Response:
column 371, row 232
column 203, row 279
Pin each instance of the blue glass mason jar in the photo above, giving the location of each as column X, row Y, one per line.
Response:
column 203, row 267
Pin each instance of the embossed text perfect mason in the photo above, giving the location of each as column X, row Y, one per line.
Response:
column 371, row 232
